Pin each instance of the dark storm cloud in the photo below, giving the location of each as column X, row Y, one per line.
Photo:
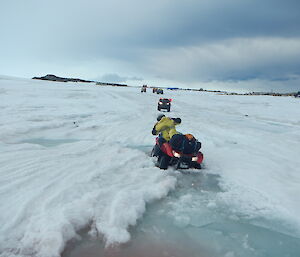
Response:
column 115, row 25
column 185, row 41
column 115, row 78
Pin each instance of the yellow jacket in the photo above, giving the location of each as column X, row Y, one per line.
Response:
column 166, row 126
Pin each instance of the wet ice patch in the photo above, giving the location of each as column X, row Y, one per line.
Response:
column 193, row 216
column 251, row 240
column 193, row 200
column 144, row 148
column 2, row 91
column 249, row 205
column 49, row 142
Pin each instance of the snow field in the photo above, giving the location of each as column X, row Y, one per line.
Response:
column 76, row 155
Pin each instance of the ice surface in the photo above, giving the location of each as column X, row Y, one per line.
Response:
column 75, row 156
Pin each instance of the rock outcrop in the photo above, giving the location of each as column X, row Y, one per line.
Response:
column 52, row 77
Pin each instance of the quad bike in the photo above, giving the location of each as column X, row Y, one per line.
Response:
column 168, row 156
column 164, row 103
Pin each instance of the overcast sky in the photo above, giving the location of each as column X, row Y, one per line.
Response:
column 228, row 44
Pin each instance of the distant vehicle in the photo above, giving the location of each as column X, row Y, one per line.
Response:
column 144, row 89
column 154, row 90
column 297, row 94
column 164, row 103
column 159, row 91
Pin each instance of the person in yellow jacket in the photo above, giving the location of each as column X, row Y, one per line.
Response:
column 165, row 126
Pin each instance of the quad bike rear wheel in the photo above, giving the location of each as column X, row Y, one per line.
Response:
column 163, row 162
column 197, row 166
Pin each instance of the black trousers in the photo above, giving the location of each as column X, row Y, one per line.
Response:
column 161, row 140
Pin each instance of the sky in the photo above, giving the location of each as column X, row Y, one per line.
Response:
column 250, row 45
